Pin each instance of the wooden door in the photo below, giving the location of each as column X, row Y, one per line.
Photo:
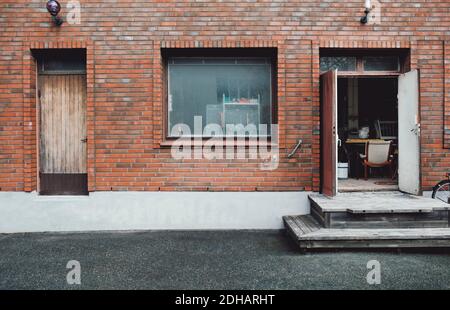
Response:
column 409, row 133
column 62, row 136
column 329, row 132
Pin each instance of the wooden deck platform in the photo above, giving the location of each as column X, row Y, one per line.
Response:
column 371, row 220
column 377, row 202
column 379, row 210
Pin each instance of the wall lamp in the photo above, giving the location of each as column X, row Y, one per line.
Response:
column 53, row 7
column 368, row 8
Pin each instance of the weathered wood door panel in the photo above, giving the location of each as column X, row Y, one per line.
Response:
column 328, row 84
column 62, row 137
column 409, row 133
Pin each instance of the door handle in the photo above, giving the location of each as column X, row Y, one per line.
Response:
column 84, row 140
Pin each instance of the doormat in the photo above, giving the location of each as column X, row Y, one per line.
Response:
column 386, row 183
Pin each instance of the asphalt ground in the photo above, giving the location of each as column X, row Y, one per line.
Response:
column 206, row 260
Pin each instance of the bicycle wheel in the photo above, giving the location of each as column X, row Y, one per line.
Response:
column 442, row 191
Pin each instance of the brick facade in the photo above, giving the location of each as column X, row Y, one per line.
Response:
column 447, row 94
column 125, row 104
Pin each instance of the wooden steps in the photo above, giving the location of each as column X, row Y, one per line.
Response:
column 312, row 236
column 301, row 224
column 371, row 220
column 379, row 210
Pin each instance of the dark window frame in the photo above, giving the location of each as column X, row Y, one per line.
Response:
column 168, row 53
column 360, row 54
column 64, row 54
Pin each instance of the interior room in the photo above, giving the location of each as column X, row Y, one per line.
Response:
column 368, row 133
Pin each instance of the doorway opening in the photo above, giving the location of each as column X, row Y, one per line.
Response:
column 370, row 122
column 367, row 114
column 61, row 114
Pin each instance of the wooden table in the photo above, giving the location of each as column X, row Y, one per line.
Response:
column 361, row 141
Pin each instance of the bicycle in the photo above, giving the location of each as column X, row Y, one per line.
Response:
column 441, row 190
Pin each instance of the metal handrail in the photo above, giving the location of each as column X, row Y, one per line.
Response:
column 297, row 146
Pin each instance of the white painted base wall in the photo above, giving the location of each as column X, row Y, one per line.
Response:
column 29, row 212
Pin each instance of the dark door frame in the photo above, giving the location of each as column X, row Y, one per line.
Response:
column 57, row 183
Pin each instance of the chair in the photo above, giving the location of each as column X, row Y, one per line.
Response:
column 386, row 130
column 378, row 155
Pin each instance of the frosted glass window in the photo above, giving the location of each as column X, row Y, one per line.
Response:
column 381, row 63
column 340, row 63
column 235, row 91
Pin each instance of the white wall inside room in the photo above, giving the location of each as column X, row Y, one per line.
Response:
column 29, row 212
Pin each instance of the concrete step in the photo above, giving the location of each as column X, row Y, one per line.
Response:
column 309, row 234
column 379, row 210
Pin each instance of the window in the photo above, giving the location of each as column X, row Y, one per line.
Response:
column 57, row 61
column 381, row 63
column 363, row 61
column 341, row 63
column 222, row 91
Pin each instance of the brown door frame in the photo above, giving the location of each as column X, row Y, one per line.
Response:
column 405, row 66
column 328, row 85
column 60, row 183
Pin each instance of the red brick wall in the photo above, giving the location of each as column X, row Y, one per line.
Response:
column 125, row 119
column 428, row 57
column 447, row 94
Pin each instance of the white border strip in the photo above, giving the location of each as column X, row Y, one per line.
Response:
column 29, row 212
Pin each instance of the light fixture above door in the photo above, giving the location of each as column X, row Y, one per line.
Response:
column 368, row 9
column 53, row 7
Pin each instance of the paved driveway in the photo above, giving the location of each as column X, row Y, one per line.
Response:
column 204, row 260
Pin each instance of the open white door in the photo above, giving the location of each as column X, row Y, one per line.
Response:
column 409, row 133
column 329, row 137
